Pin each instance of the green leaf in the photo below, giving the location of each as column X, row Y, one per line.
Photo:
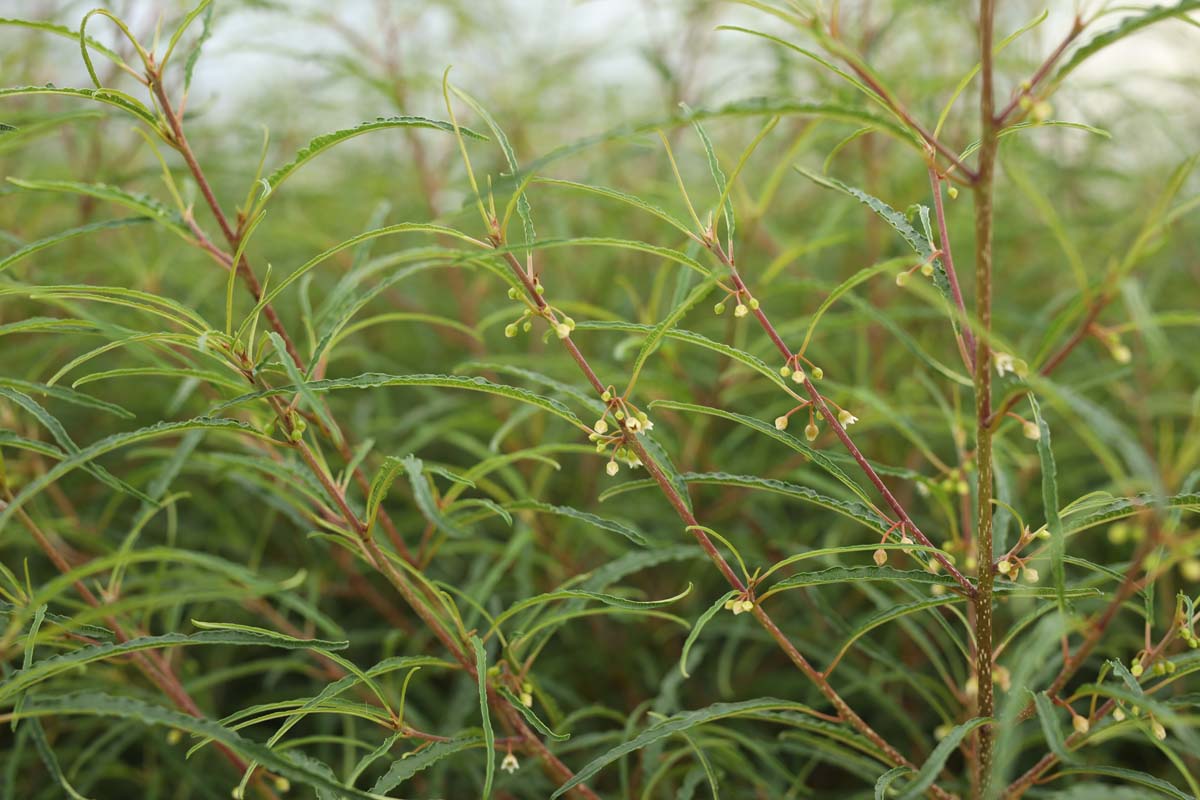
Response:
column 374, row 380
column 115, row 442
column 1050, row 730
column 298, row 380
column 96, row 704
column 882, row 786
column 426, row 503
column 411, row 763
column 860, row 574
column 651, row 342
column 694, row 633
column 47, row 668
column 1130, row 24
column 1050, row 503
column 66, row 395
column 325, row 141
column 614, row 194
column 816, row 456
column 671, row 726
column 110, row 96
column 489, row 736
column 606, row 599
column 524, row 211
column 1131, row 776
column 628, row 532
column 937, row 759
column 850, row 509
column 530, row 717
column 141, row 203
column 49, row 241
column 380, row 484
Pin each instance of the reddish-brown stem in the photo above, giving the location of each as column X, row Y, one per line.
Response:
column 1054, row 361
column 819, row 402
column 1027, row 88
column 962, row 328
column 985, row 579
column 879, row 89
column 1095, row 630
column 1030, row 776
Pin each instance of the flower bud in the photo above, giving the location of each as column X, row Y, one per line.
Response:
column 753, row 303
column 601, row 426
column 1137, row 669
column 740, row 310
column 1004, row 567
column 1031, row 431
column 562, row 331
column 1122, row 354
column 880, row 557
column 1080, row 724
column 1119, row 714
column 781, row 423
column 513, row 294
column 527, row 326
column 927, row 269
column 719, row 308
column 1031, row 575
column 612, row 469
column 953, row 192
column 510, row 330
column 785, row 370
column 1160, row 732
column 818, row 373
column 798, row 376
column 902, row 279
column 811, row 431
column 606, row 396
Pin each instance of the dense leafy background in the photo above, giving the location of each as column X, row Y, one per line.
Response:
column 224, row 531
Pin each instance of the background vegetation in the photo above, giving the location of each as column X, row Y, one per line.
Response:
column 361, row 544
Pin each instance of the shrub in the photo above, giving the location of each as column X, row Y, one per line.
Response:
column 434, row 474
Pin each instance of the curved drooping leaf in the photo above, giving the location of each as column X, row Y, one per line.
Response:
column 141, row 203
column 678, row 723
column 110, row 96
column 1130, row 24
column 115, row 442
column 321, row 143
column 630, row 533
column 47, row 668
column 374, row 380
column 96, row 704
column 410, row 764
column 63, row 236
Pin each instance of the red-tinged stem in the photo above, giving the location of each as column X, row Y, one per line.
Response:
column 819, row 402
column 1055, row 360
column 965, row 339
column 984, row 742
column 1027, row 88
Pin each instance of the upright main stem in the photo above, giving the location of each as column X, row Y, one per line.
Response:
column 983, row 399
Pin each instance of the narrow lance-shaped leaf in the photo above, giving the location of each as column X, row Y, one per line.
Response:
column 1131, row 24
column 671, row 726
column 703, row 620
column 323, row 142
column 63, row 236
column 1050, row 503
column 141, row 203
column 96, row 704
column 489, row 736
column 425, row 500
column 937, row 759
